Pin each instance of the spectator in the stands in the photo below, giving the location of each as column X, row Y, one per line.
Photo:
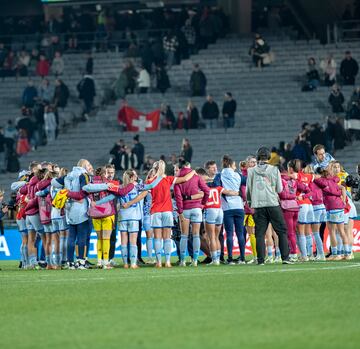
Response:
column 317, row 135
column 23, row 62
column 312, row 76
column 336, row 99
column 34, row 59
column 207, row 30
column 349, row 68
column 162, row 79
column 10, row 131
column 131, row 76
column 192, row 116
column 190, row 35
column 2, row 151
column 197, row 82
column 61, row 94
column 24, row 123
column 186, row 150
column 260, row 51
column 46, row 92
column 57, row 65
column 116, row 151
column 143, row 80
column 50, row 124
column 3, row 54
column 301, row 149
column 228, row 110
column 89, row 67
column 9, row 65
column 139, row 151
column 168, row 120
column 339, row 135
column 210, row 112
column 87, row 93
column 170, row 45
column 43, row 67
column 328, row 66
column 29, row 95
column 287, row 154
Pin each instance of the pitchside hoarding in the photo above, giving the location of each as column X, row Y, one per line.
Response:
column 10, row 244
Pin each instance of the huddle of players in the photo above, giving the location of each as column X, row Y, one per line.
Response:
column 191, row 199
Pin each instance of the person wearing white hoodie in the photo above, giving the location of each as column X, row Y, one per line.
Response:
column 50, row 124
column 143, row 80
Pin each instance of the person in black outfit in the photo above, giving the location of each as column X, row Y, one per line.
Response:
column 336, row 99
column 162, row 79
column 198, row 82
column 86, row 89
column 228, row 110
column 186, row 150
column 89, row 64
column 210, row 112
column 61, row 94
column 139, row 151
column 115, row 151
column 349, row 69
column 192, row 116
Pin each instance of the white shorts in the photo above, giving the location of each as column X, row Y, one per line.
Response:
column 320, row 215
column 59, row 224
column 48, row 228
column 146, row 224
column 129, row 226
column 33, row 224
column 306, row 214
column 162, row 220
column 194, row 215
column 336, row 216
column 214, row 216
column 21, row 223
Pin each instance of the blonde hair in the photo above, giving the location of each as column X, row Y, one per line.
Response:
column 159, row 168
column 2, row 192
column 63, row 172
column 150, row 175
column 82, row 163
column 308, row 170
column 128, row 174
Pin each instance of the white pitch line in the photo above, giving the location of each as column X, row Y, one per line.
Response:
column 127, row 276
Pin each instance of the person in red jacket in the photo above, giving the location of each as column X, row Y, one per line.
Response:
column 43, row 67
column 334, row 200
column 190, row 211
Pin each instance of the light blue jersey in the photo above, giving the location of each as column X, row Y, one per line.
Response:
column 132, row 213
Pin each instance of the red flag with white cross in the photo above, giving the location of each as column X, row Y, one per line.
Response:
column 139, row 122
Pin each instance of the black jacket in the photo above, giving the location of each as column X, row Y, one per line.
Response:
column 349, row 68
column 336, row 101
column 139, row 151
column 86, row 88
column 229, row 108
column 210, row 111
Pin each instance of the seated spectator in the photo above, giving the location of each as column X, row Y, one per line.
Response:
column 355, row 97
column 46, row 92
column 34, row 59
column 162, row 79
column 57, row 65
column 228, row 110
column 23, row 62
column 197, row 82
column 61, row 94
column 9, row 66
column 143, row 80
column 29, row 95
column 210, row 112
column 312, row 76
column 260, row 52
column 328, row 66
column 42, row 67
column 192, row 116
column 336, row 99
column 349, row 68
column 181, row 123
column 168, row 120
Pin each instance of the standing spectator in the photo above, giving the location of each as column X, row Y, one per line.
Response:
column 262, row 188
column 162, row 79
column 228, row 110
column 328, row 67
column 9, row 65
column 339, row 135
column 23, row 62
column 10, row 132
column 115, row 152
column 89, row 67
column 190, row 35
column 46, row 92
column 192, row 116
column 287, row 155
column 197, row 82
column 50, row 123
column 336, row 99
column 316, row 135
column 61, row 94
column 186, row 150
column 42, row 67
column 87, row 93
column 170, row 45
column 57, row 65
column 143, row 80
column 2, row 151
column 29, row 95
column 139, row 151
column 131, row 76
column 210, row 112
column 349, row 69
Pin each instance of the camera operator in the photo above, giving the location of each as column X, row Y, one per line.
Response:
column 354, row 183
column 4, row 210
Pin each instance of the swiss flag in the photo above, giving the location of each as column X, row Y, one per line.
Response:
column 136, row 121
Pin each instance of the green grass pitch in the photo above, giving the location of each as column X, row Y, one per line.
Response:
column 309, row 305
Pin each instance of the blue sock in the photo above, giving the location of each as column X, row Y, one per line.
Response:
column 339, row 244
column 183, row 246
column 26, row 256
column 124, row 253
column 334, row 250
column 319, row 244
column 22, row 254
column 167, row 250
column 133, row 254
column 277, row 252
column 196, row 247
column 149, row 247
column 48, row 260
column 214, row 256
column 157, row 247
column 302, row 245
column 57, row 259
column 347, row 250
column 270, row 251
column 218, row 254
column 309, row 245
